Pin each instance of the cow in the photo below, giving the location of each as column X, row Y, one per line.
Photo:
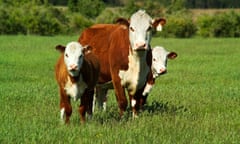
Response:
column 122, row 52
column 159, row 67
column 76, row 73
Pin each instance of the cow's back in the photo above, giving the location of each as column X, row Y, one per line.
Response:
column 97, row 36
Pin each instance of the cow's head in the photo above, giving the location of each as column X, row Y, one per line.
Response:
column 140, row 28
column 73, row 57
column 159, row 60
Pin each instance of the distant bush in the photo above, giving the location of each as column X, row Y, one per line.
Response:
column 36, row 19
column 11, row 21
column 76, row 23
column 88, row 8
column 110, row 15
column 219, row 25
column 179, row 25
column 42, row 21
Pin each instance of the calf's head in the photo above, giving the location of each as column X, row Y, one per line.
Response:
column 159, row 60
column 73, row 57
column 140, row 28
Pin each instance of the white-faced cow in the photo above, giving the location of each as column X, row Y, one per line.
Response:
column 122, row 52
column 159, row 67
column 76, row 72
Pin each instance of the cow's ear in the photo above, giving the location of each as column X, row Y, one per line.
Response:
column 122, row 21
column 86, row 49
column 172, row 55
column 60, row 48
column 159, row 23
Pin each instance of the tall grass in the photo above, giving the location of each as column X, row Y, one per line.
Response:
column 197, row 101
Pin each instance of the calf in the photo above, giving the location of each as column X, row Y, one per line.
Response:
column 159, row 67
column 76, row 72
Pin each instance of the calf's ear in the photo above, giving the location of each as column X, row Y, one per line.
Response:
column 172, row 55
column 159, row 23
column 60, row 48
column 86, row 49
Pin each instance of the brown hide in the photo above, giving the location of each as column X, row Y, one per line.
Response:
column 98, row 37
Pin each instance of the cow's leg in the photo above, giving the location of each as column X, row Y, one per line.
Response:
column 90, row 94
column 65, row 107
column 120, row 95
column 83, row 108
column 101, row 97
column 133, row 103
column 136, row 102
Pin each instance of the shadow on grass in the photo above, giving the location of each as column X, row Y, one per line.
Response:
column 159, row 107
column 155, row 108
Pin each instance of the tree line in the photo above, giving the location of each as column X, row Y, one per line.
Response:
column 188, row 3
column 54, row 17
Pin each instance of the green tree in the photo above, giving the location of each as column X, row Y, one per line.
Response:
column 88, row 8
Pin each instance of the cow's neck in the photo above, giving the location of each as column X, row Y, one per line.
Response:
column 135, row 76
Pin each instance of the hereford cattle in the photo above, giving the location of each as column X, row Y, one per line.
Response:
column 122, row 52
column 76, row 72
column 159, row 67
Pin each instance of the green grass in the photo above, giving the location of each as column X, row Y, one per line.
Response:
column 198, row 101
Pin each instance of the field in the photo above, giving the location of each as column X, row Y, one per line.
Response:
column 197, row 101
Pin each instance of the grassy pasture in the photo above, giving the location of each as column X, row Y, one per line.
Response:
column 198, row 101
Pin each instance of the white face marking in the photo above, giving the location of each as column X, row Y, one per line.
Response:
column 147, row 89
column 62, row 113
column 139, row 30
column 73, row 58
column 75, row 90
column 159, row 60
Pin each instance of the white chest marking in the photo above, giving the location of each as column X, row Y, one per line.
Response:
column 135, row 77
column 75, row 90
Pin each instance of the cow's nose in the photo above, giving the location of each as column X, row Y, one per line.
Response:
column 73, row 67
column 141, row 45
column 163, row 71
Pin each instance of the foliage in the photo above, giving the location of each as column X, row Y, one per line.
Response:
column 213, row 4
column 30, row 18
column 88, row 8
column 77, row 23
column 39, row 17
column 179, row 25
column 108, row 16
column 176, row 5
column 131, row 7
column 197, row 101
column 220, row 25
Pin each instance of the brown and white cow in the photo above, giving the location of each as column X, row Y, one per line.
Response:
column 159, row 67
column 76, row 72
column 122, row 52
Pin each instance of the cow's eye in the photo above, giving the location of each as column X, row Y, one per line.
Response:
column 131, row 28
column 154, row 59
column 66, row 55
